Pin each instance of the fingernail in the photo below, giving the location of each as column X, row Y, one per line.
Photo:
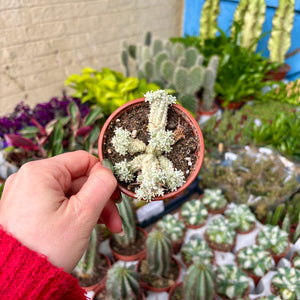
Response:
column 122, row 233
column 116, row 196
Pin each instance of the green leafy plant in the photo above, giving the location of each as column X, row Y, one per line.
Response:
column 214, row 199
column 286, row 283
column 232, row 282
column 255, row 260
column 241, row 217
column 195, row 250
column 108, row 89
column 194, row 212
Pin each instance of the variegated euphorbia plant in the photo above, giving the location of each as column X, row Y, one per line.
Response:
column 194, row 212
column 214, row 199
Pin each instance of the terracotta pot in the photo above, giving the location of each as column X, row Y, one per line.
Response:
column 176, row 246
column 148, row 287
column 217, row 211
column 133, row 257
column 103, row 290
column 219, row 247
column 278, row 74
column 183, row 113
column 239, row 231
column 202, row 112
column 231, row 105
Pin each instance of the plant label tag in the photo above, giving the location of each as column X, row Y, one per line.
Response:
column 149, row 210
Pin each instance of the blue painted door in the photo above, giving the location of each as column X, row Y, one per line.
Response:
column 192, row 12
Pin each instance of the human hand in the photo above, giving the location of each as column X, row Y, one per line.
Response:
column 52, row 205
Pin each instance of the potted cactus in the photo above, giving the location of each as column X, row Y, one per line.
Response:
column 274, row 240
column 131, row 245
column 255, row 261
column 194, row 213
column 214, row 200
column 92, row 268
column 295, row 260
column 241, row 218
column 174, row 228
column 220, row 235
column 270, row 297
column 157, row 154
column 158, row 270
column 286, row 283
column 231, row 282
column 195, row 250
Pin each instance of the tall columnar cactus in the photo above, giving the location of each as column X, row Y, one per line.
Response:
column 159, row 252
column 198, row 282
column 122, row 283
column 208, row 19
column 155, row 171
column 280, row 39
column 128, row 221
column 251, row 16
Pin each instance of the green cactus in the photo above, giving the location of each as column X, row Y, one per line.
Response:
column 280, row 39
column 159, row 252
column 122, row 283
column 198, row 282
column 251, row 16
column 191, row 56
column 208, row 19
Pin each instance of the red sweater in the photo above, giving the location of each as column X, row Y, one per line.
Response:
column 24, row 274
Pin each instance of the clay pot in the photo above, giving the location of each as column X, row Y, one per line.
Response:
column 151, row 288
column 231, row 105
column 220, row 247
column 278, row 74
column 188, row 118
column 133, row 257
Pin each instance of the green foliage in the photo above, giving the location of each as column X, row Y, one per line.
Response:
column 198, row 282
column 108, row 89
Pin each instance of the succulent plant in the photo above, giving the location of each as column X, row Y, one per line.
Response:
column 273, row 239
column 240, row 217
column 198, row 282
column 270, row 297
column 231, row 281
column 296, row 260
column 122, row 283
column 172, row 226
column 194, row 212
column 155, row 170
column 220, row 234
column 213, row 199
column 286, row 283
column 255, row 260
column 195, row 250
column 159, row 252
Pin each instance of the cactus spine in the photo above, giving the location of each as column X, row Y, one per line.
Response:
column 198, row 282
column 251, row 15
column 280, row 39
column 128, row 222
column 122, row 283
column 159, row 252
column 208, row 20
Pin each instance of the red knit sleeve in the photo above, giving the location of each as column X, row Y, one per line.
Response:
column 24, row 274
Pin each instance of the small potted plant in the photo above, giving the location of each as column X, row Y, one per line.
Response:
column 241, row 218
column 214, row 200
column 274, row 240
column 286, row 283
column 92, row 268
column 295, row 260
column 174, row 228
column 197, row 249
column 220, row 235
column 158, row 270
column 156, row 147
column 255, row 261
column 270, row 297
column 194, row 213
column 232, row 282
column 130, row 246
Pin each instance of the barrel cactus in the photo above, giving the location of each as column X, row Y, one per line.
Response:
column 198, row 282
column 122, row 283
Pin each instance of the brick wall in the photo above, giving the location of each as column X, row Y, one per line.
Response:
column 42, row 42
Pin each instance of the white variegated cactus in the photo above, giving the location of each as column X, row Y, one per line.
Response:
column 213, row 199
column 273, row 239
column 195, row 250
column 194, row 212
column 287, row 283
column 172, row 226
column 296, row 260
column 270, row 297
column 231, row 281
column 241, row 217
column 156, row 172
column 255, row 260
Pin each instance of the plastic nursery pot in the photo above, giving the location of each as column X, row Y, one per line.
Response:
column 182, row 112
column 132, row 257
column 278, row 74
column 151, row 288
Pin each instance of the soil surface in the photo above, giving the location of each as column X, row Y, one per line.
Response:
column 183, row 151
column 132, row 249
